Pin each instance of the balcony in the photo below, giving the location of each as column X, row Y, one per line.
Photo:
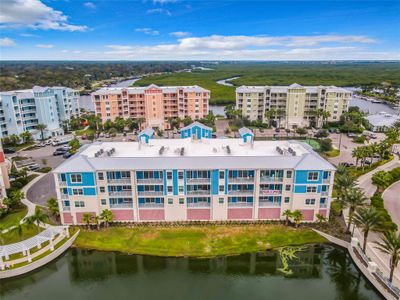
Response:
column 240, row 192
column 150, row 193
column 270, row 192
column 199, row 192
column 198, row 180
column 64, row 196
column 326, row 180
column 122, row 205
column 271, row 179
column 324, row 193
column 150, row 181
column 241, row 179
column 151, row 205
column 240, row 204
column 66, row 208
column 323, row 205
column 119, row 181
column 120, row 193
column 199, row 204
column 269, row 204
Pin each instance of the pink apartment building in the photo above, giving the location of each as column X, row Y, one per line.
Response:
column 153, row 103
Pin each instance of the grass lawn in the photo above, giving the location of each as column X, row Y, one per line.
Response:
column 332, row 153
column 14, row 237
column 13, row 218
column 198, row 241
column 313, row 143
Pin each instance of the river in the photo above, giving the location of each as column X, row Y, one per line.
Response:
column 320, row 272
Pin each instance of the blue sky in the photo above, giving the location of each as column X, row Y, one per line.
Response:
column 199, row 30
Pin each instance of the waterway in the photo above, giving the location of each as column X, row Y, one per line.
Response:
column 319, row 272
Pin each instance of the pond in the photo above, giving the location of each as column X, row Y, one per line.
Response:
column 319, row 272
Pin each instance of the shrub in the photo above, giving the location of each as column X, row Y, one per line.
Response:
column 45, row 170
column 359, row 139
column 377, row 202
column 326, row 144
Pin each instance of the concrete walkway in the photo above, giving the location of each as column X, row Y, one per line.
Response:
column 391, row 197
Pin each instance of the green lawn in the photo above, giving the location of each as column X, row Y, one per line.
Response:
column 13, row 218
column 332, row 153
column 199, row 241
column 14, row 237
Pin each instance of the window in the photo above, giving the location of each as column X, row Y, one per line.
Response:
column 181, row 201
column 310, row 201
column 169, row 188
column 76, row 178
column 221, row 174
column 77, row 191
column 311, row 189
column 180, row 175
column 181, row 189
column 102, row 189
column 221, row 200
column 313, row 176
column 288, row 187
column 100, row 176
column 288, row 174
column 169, row 175
column 221, row 188
column 170, row 201
column 103, row 201
column 286, row 200
column 79, row 204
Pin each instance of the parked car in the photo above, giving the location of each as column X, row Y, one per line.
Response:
column 34, row 167
column 107, row 135
column 41, row 144
column 351, row 135
column 9, row 150
column 63, row 148
column 67, row 155
column 277, row 130
column 59, row 152
column 366, row 162
column 346, row 164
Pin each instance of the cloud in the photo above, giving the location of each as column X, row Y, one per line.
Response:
column 159, row 11
column 28, row 35
column 179, row 34
column 90, row 5
column 148, row 31
column 34, row 14
column 7, row 42
column 45, row 46
column 164, row 1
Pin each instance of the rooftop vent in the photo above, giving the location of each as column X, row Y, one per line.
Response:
column 228, row 149
column 161, row 151
column 182, row 151
column 279, row 150
column 291, row 151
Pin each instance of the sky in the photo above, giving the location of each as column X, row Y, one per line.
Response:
column 199, row 30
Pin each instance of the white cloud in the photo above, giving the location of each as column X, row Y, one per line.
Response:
column 28, row 35
column 90, row 5
column 159, row 11
column 179, row 34
column 34, row 14
column 148, row 31
column 164, row 1
column 45, row 46
column 7, row 42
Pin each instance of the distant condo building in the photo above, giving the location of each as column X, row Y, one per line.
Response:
column 23, row 110
column 153, row 103
column 293, row 106
column 194, row 178
column 4, row 180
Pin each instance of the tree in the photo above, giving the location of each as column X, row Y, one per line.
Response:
column 358, row 154
column 321, row 218
column 353, row 199
column 287, row 214
column 14, row 200
column 52, row 204
column 26, row 137
column 41, row 128
column 20, row 231
column 368, row 219
column 297, row 216
column 38, row 217
column 301, row 131
column 75, row 145
column 87, row 218
column 140, row 121
column 98, row 221
column 322, row 133
column 187, row 121
column 325, row 115
column 270, row 115
column 390, row 245
column 107, row 216
column 343, row 183
column 382, row 179
column 326, row 145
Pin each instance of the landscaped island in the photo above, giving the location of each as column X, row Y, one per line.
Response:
column 196, row 241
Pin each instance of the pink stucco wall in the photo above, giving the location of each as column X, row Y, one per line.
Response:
column 323, row 212
column 199, row 214
column 79, row 216
column 67, row 218
column 240, row 213
column 151, row 214
column 122, row 214
column 269, row 213
column 308, row 214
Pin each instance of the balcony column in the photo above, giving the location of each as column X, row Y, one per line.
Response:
column 134, row 196
column 256, row 194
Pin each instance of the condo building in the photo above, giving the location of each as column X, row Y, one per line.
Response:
column 194, row 178
column 292, row 106
column 23, row 110
column 154, row 104
column 4, row 180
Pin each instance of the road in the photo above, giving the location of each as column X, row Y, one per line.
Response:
column 391, row 198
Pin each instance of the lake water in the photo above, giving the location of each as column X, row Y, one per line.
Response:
column 319, row 272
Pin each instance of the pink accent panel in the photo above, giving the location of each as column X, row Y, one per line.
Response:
column 79, row 216
column 269, row 213
column 240, row 213
column 308, row 214
column 199, row 214
column 151, row 214
column 123, row 215
column 67, row 218
column 323, row 212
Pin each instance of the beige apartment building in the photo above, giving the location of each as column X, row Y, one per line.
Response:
column 294, row 106
column 153, row 103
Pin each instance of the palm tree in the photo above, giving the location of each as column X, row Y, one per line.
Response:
column 318, row 114
column 26, row 136
column 358, row 154
column 297, row 216
column 107, row 216
column 342, row 184
column 321, row 218
column 325, row 115
column 270, row 114
column 368, row 219
column 98, row 221
column 390, row 245
column 53, row 206
column 87, row 218
column 38, row 217
column 382, row 179
column 353, row 199
column 288, row 214
column 20, row 231
column 140, row 121
column 42, row 128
